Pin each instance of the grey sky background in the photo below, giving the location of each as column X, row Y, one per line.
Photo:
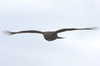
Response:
column 79, row 48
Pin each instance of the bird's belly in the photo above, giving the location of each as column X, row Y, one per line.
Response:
column 50, row 37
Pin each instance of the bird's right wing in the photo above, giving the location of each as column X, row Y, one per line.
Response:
column 71, row 29
column 26, row 31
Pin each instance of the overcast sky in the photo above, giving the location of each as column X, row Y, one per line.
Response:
column 79, row 48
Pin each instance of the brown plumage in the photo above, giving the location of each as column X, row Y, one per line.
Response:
column 49, row 35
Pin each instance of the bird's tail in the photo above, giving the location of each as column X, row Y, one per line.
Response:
column 60, row 37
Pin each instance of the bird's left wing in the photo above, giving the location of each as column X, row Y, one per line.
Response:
column 71, row 29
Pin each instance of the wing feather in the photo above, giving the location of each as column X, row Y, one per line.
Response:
column 26, row 31
column 71, row 29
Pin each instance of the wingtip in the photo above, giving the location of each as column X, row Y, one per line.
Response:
column 8, row 32
column 94, row 28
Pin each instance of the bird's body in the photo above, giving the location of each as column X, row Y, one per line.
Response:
column 49, row 35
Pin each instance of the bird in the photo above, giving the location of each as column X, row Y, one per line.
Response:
column 48, row 35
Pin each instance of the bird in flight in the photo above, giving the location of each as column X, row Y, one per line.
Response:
column 49, row 35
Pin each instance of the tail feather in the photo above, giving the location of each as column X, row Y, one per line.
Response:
column 60, row 37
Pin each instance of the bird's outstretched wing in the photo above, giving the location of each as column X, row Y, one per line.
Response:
column 71, row 29
column 26, row 31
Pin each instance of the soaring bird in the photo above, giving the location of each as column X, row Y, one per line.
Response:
column 49, row 35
